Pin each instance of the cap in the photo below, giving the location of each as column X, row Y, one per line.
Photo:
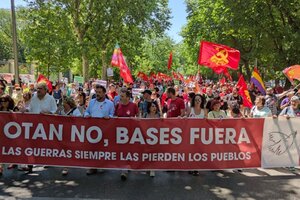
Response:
column 147, row 91
column 295, row 98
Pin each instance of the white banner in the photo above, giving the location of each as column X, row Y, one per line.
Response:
column 281, row 140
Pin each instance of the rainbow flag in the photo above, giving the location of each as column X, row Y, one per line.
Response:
column 115, row 57
column 257, row 81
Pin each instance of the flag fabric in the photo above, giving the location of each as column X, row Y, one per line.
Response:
column 226, row 73
column 243, row 91
column 44, row 79
column 257, row 81
column 124, row 70
column 115, row 56
column 180, row 76
column 143, row 76
column 218, row 57
column 162, row 76
column 292, row 72
column 222, row 81
column 170, row 60
column 175, row 76
column 119, row 61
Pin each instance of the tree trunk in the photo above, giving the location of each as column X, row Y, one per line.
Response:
column 247, row 68
column 85, row 66
column 104, row 65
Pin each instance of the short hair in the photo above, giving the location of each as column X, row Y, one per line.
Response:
column 70, row 101
column 102, row 87
column 127, row 93
column 171, row 90
column 263, row 99
column 42, row 85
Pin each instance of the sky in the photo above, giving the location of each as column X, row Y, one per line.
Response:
column 178, row 13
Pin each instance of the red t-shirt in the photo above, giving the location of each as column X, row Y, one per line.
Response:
column 129, row 110
column 112, row 95
column 174, row 107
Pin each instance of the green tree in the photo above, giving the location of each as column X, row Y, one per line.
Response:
column 6, row 36
column 264, row 30
column 47, row 37
column 99, row 25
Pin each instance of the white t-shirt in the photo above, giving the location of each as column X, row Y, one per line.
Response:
column 264, row 112
column 200, row 116
column 47, row 104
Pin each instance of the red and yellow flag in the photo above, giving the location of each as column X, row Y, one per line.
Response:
column 243, row 91
column 218, row 57
column 115, row 56
column 44, row 79
column 292, row 72
column 119, row 61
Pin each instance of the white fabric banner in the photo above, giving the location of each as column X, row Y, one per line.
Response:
column 281, row 140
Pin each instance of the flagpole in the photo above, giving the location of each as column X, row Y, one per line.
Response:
column 15, row 49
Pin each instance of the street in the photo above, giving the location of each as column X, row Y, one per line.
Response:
column 48, row 183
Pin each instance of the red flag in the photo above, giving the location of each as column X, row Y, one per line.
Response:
column 243, row 91
column 119, row 61
column 226, row 73
column 218, row 57
column 292, row 73
column 143, row 76
column 175, row 76
column 170, row 60
column 222, row 81
column 124, row 70
column 42, row 78
column 180, row 76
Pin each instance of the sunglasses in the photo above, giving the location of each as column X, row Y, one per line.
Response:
column 3, row 100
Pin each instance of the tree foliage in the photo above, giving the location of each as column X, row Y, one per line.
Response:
column 47, row 37
column 264, row 30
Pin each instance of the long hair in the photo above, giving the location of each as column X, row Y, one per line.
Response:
column 202, row 101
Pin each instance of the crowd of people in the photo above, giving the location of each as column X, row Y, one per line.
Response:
column 159, row 99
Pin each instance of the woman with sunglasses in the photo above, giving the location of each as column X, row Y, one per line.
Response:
column 6, row 105
column 196, row 110
column 152, row 113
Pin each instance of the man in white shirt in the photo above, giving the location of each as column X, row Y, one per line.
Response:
column 42, row 102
